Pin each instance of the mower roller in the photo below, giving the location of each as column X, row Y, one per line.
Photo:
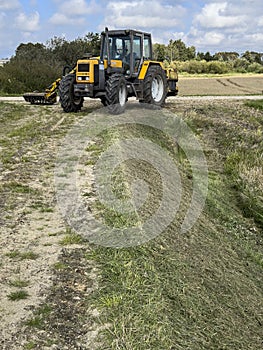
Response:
column 48, row 97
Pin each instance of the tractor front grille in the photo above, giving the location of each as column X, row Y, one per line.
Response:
column 83, row 67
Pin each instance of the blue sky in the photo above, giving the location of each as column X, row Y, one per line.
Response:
column 212, row 25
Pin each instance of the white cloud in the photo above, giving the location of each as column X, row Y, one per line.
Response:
column 256, row 38
column 204, row 40
column 260, row 21
column 78, row 7
column 28, row 23
column 9, row 5
column 143, row 22
column 211, row 39
column 143, row 14
column 62, row 19
column 73, row 11
column 215, row 15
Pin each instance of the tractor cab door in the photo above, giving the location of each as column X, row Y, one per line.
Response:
column 140, row 51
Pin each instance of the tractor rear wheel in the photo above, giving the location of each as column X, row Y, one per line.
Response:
column 116, row 93
column 69, row 102
column 155, row 86
column 103, row 100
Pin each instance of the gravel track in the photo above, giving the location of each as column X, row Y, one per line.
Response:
column 171, row 98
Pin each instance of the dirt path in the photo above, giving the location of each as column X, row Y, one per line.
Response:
column 31, row 227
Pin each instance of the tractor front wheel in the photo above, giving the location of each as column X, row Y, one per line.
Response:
column 155, row 86
column 69, row 102
column 116, row 94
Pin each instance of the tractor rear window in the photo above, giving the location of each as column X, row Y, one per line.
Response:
column 83, row 67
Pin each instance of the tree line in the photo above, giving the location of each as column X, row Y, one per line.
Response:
column 186, row 59
column 35, row 66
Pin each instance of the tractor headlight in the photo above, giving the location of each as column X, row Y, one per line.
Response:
column 82, row 78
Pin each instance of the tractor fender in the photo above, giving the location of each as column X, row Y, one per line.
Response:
column 145, row 67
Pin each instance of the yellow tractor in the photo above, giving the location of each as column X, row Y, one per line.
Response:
column 125, row 68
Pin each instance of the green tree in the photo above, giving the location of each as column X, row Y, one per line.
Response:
column 159, row 52
column 253, row 57
column 178, row 51
column 226, row 56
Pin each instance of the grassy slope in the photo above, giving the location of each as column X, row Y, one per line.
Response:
column 200, row 290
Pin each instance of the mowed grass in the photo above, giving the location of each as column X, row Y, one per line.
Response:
column 257, row 104
column 201, row 289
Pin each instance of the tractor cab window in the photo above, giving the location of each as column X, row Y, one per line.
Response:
column 119, row 48
column 137, row 47
column 146, row 48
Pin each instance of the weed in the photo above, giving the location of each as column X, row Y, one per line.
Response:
column 13, row 255
column 39, row 318
column 19, row 283
column 19, row 188
column 257, row 104
column 22, row 255
column 29, row 256
column 35, row 322
column 19, row 295
column 30, row 345
column 47, row 210
column 59, row 266
column 72, row 238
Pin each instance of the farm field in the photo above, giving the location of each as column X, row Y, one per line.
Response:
column 225, row 85
column 198, row 290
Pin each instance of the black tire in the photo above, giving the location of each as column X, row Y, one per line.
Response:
column 68, row 101
column 155, row 86
column 116, row 94
column 103, row 100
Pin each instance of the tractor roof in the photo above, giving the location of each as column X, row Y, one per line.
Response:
column 125, row 32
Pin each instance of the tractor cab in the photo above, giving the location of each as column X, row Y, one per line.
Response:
column 125, row 50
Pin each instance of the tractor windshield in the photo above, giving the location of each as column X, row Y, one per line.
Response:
column 119, row 47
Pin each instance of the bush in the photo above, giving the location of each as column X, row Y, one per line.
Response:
column 216, row 67
column 240, row 65
column 198, row 67
column 255, row 68
column 19, row 76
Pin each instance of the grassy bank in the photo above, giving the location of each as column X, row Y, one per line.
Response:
column 200, row 290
